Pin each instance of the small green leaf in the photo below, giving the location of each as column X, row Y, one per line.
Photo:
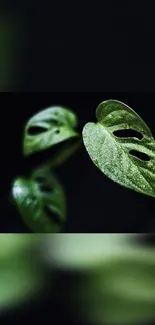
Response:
column 128, row 160
column 49, row 127
column 38, row 197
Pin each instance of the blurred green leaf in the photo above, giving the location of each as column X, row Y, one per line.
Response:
column 114, row 276
column 41, row 201
column 128, row 160
column 80, row 251
column 121, row 292
column 13, row 245
column 22, row 275
column 49, row 127
column 18, row 281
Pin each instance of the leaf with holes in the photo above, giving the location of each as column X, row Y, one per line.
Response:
column 49, row 127
column 127, row 160
column 40, row 201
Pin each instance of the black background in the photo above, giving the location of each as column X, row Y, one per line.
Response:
column 95, row 203
column 88, row 47
column 107, row 47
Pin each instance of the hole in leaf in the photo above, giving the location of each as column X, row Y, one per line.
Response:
column 32, row 201
column 52, row 215
column 57, row 131
column 35, row 130
column 40, row 179
column 128, row 133
column 45, row 188
column 141, row 155
column 55, row 122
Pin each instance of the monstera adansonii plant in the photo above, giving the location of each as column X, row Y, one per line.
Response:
column 120, row 144
column 40, row 198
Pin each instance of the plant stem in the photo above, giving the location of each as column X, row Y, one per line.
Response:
column 62, row 156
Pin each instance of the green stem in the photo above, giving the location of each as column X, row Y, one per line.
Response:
column 62, row 155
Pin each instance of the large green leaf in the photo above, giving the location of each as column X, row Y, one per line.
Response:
column 129, row 161
column 49, row 127
column 37, row 198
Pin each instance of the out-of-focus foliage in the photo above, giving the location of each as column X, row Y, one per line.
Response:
column 114, row 275
column 21, row 271
column 38, row 198
column 117, row 276
column 48, row 128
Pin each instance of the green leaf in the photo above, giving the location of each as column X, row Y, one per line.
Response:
column 22, row 275
column 49, row 127
column 18, row 282
column 14, row 245
column 113, row 276
column 37, row 198
column 121, row 292
column 119, row 157
column 79, row 251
